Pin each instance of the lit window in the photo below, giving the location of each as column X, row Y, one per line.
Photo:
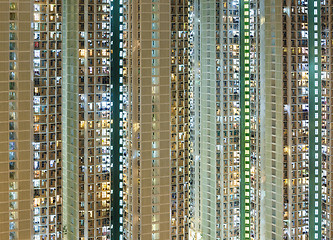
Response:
column 154, row 144
column 154, row 35
column 12, row 195
column 12, row 36
column 12, row 26
column 12, row 76
column 155, row 80
column 12, row 236
column 155, row 227
column 154, row 7
column 12, row 145
column 154, row 62
column 12, row 136
column 155, row 163
column 36, row 16
column 13, row 6
column 11, row 86
column 12, row 96
column 154, row 71
column 13, row 186
column 37, row 7
column 12, row 65
column 154, row 17
column 155, row 89
column 155, row 154
column 155, row 209
column 12, row 105
column 37, row 53
column 12, row 116
column 13, row 215
column 155, row 218
column 155, row 236
column 154, row 182
column 154, row 26
column 154, row 53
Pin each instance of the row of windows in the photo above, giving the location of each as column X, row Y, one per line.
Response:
column 13, row 116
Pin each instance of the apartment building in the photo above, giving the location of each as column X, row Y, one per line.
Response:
column 155, row 119
column 156, row 78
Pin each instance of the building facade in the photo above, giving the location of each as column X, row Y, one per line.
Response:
column 156, row 119
column 307, row 119
column 57, row 123
column 225, row 108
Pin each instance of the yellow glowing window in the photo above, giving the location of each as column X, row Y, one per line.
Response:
column 82, row 52
column 13, row 6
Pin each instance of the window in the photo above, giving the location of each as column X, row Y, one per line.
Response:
column 155, row 190
column 12, row 165
column 154, row 35
column 12, row 195
column 12, row 16
column 12, row 76
column 154, row 144
column 12, row 116
column 13, row 186
column 154, row 71
column 154, row 8
column 13, row 6
column 155, row 236
column 12, row 145
column 12, row 56
column 12, row 175
column 154, row 26
column 154, row 182
column 12, row 26
column 12, row 135
column 154, row 17
column 155, row 80
column 12, row 36
column 12, row 236
column 12, row 106
column 154, row 53
column 12, row 46
column 11, row 86
column 154, row 62
column 12, row 65
column 12, row 215
column 155, row 163
column 155, row 89
column 155, row 44
column 155, row 218
column 155, row 154
column 155, row 209
column 155, row 227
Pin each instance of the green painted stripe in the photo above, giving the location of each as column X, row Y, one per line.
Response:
column 244, row 120
column 314, row 120
column 116, row 115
